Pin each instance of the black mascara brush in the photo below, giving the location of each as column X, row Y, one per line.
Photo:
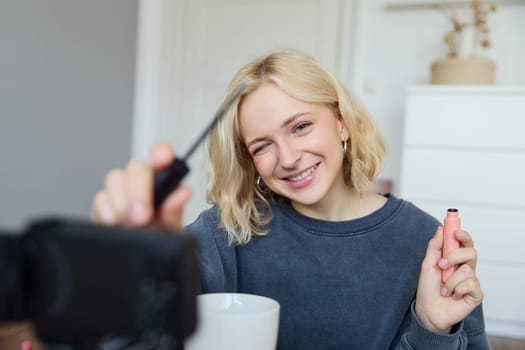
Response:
column 169, row 178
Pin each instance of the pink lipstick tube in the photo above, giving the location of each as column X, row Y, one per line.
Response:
column 451, row 225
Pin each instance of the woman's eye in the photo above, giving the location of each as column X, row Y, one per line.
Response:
column 301, row 126
column 259, row 149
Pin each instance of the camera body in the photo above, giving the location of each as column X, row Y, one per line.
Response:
column 78, row 282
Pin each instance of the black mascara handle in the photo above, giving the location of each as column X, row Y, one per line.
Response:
column 167, row 180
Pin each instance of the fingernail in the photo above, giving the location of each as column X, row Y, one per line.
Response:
column 139, row 213
column 444, row 291
column 443, row 263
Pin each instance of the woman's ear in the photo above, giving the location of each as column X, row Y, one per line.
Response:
column 342, row 128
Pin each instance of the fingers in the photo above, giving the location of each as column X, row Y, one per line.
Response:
column 464, row 255
column 463, row 283
column 470, row 291
column 438, row 305
column 434, row 250
column 115, row 185
column 127, row 197
column 139, row 188
column 464, row 238
column 171, row 214
column 102, row 211
column 460, row 256
column 162, row 155
column 110, row 206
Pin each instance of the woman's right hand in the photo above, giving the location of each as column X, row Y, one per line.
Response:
column 127, row 196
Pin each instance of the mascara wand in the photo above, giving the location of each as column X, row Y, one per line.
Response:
column 169, row 178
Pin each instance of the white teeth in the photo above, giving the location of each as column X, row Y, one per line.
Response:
column 303, row 174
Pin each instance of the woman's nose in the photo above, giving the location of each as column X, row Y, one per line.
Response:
column 288, row 155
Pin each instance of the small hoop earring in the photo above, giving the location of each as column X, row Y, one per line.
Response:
column 345, row 146
column 261, row 186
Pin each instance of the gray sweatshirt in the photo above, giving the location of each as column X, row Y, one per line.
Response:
column 341, row 285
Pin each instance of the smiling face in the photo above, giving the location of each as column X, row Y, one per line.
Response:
column 295, row 146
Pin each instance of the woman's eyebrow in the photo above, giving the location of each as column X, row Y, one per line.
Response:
column 283, row 125
column 259, row 139
column 292, row 118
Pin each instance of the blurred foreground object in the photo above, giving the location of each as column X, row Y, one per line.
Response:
column 78, row 282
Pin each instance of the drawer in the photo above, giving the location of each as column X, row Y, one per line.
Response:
column 461, row 119
column 497, row 232
column 502, row 283
column 459, row 176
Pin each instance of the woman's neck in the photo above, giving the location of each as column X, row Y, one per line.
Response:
column 345, row 204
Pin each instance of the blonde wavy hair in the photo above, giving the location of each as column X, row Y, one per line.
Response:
column 244, row 209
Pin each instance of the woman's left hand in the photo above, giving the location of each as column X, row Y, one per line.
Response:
column 440, row 305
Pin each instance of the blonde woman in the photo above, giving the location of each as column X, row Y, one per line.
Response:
column 293, row 219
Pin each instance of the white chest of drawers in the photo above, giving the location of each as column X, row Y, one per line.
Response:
column 464, row 147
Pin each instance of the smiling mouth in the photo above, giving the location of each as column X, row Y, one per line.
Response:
column 304, row 174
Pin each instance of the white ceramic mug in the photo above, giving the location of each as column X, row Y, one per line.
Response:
column 235, row 321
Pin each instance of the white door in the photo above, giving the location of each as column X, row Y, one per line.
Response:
column 203, row 44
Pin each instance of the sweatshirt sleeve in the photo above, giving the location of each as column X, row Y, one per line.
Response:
column 217, row 257
column 466, row 335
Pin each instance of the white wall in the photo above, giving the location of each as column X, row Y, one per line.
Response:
column 397, row 46
column 66, row 102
